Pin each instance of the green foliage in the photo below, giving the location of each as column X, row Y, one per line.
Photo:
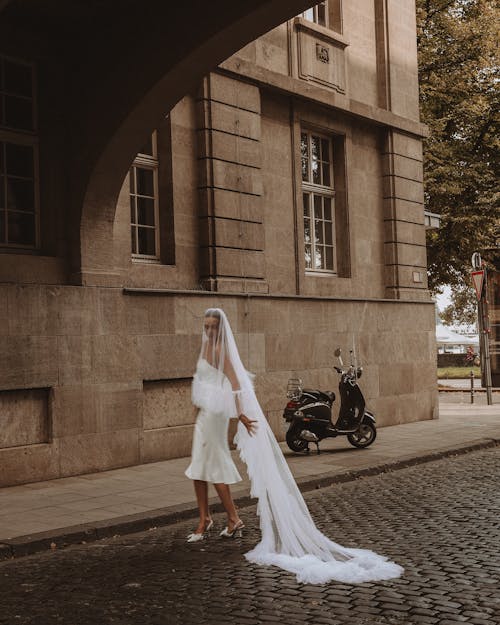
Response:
column 459, row 74
column 463, row 307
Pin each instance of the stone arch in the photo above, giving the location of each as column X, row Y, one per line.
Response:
column 129, row 86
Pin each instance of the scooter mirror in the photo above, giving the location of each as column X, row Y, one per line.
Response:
column 337, row 352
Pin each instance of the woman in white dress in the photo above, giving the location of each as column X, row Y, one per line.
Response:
column 210, row 458
column 222, row 389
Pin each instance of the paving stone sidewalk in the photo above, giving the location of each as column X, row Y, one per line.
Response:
column 89, row 507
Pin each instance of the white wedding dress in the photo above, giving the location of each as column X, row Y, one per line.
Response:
column 289, row 536
column 210, row 457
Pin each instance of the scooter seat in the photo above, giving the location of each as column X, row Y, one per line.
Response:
column 330, row 395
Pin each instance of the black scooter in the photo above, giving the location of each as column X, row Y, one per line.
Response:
column 309, row 412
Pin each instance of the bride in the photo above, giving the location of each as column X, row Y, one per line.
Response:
column 223, row 389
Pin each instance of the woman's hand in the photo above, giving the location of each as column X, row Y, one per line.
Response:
column 248, row 423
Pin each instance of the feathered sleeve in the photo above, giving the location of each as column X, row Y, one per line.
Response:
column 215, row 396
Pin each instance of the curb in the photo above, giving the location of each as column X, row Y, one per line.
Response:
column 89, row 532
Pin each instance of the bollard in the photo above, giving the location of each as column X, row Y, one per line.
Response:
column 472, row 387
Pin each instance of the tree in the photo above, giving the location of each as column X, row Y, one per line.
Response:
column 459, row 74
column 463, row 307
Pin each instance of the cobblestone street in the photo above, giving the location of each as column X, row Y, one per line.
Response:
column 439, row 520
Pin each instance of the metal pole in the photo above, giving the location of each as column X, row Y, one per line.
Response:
column 487, row 368
column 472, row 387
column 486, row 339
column 484, row 329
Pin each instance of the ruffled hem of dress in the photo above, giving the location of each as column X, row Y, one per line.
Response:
column 365, row 566
column 192, row 475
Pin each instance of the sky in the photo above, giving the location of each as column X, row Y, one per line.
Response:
column 444, row 299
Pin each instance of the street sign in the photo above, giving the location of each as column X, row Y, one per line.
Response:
column 476, row 260
column 478, row 280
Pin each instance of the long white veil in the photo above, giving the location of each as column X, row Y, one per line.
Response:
column 290, row 539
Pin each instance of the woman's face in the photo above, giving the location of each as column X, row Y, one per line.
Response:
column 211, row 326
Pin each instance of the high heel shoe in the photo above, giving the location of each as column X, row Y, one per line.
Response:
column 236, row 532
column 194, row 537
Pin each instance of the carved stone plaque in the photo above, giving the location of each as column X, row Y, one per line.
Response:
column 322, row 53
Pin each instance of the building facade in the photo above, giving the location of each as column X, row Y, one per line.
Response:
column 287, row 190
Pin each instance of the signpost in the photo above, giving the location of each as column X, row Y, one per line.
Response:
column 479, row 279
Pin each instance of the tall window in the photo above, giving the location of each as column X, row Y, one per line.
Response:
column 317, row 14
column 318, row 197
column 18, row 202
column 144, row 213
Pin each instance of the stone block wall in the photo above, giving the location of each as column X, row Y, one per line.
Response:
column 108, row 381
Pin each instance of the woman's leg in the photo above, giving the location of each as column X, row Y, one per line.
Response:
column 227, row 501
column 201, row 490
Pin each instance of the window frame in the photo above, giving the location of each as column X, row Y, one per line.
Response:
column 315, row 11
column 150, row 162
column 28, row 138
column 322, row 191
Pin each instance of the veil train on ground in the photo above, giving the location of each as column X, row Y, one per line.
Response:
column 290, row 538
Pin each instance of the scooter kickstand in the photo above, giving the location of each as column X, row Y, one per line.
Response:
column 317, row 447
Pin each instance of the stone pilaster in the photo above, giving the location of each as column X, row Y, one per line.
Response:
column 230, row 186
column 404, row 245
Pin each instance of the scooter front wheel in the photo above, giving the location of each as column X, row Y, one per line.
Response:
column 364, row 436
column 294, row 441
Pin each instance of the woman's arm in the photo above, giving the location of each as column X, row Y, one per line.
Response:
column 235, row 385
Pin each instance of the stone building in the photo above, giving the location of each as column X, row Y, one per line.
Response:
column 286, row 188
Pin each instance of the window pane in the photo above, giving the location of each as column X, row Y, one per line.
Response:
column 309, row 14
column 19, row 160
column 20, row 194
column 308, row 257
column 132, row 180
column 316, row 172
column 328, row 258
column 304, row 156
column 327, row 203
column 315, row 147
column 18, row 112
column 17, row 78
column 145, row 211
column 2, row 193
column 318, row 211
column 2, row 227
column 147, row 244
column 307, row 230
column 133, row 215
column 305, row 200
column 328, row 233
column 325, row 150
column 133, row 237
column 326, row 174
column 321, row 13
column 318, row 257
column 21, row 228
column 315, row 156
column 145, row 184
column 318, row 231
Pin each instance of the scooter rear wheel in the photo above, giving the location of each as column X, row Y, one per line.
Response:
column 294, row 442
column 364, row 436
